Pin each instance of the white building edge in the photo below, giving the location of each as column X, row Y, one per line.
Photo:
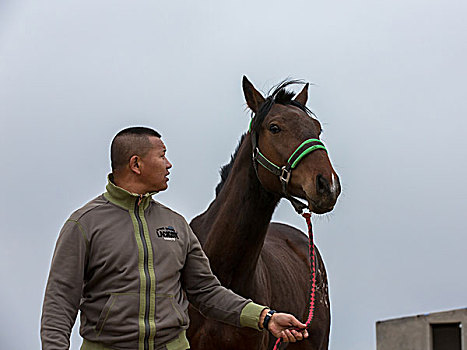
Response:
column 446, row 330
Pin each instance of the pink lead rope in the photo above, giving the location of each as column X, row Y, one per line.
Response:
column 311, row 251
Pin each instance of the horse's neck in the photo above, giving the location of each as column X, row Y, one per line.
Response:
column 237, row 222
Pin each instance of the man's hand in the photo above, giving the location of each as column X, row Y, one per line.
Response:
column 285, row 326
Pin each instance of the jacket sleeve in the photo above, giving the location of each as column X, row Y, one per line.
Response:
column 205, row 292
column 64, row 287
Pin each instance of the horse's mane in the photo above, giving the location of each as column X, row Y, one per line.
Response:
column 225, row 170
column 279, row 95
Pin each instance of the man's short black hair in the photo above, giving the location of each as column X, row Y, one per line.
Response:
column 129, row 142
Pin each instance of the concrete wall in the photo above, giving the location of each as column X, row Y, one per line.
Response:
column 414, row 333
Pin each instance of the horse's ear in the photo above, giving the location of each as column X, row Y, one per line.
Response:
column 253, row 97
column 302, row 97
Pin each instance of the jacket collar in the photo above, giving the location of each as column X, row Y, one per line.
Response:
column 124, row 198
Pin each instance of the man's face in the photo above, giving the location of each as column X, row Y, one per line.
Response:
column 155, row 167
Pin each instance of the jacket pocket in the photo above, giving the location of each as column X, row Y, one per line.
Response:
column 118, row 311
column 180, row 313
column 169, row 313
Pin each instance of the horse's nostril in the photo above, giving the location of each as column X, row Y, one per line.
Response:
column 322, row 185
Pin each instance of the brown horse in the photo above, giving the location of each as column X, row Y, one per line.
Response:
column 267, row 262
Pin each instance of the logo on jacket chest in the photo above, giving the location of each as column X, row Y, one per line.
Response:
column 168, row 233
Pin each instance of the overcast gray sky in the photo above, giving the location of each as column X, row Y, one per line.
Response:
column 390, row 90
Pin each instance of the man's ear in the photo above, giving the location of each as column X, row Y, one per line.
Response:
column 134, row 164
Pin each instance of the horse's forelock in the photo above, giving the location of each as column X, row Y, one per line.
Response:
column 277, row 94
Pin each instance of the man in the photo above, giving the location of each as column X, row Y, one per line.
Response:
column 130, row 265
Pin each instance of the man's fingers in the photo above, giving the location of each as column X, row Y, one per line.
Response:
column 291, row 336
column 287, row 336
column 297, row 335
column 297, row 323
column 304, row 332
column 288, row 328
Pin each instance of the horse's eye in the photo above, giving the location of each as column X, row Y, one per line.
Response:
column 274, row 128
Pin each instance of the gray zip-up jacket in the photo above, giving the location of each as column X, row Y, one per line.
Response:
column 130, row 265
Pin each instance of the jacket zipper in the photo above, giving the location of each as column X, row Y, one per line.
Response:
column 146, row 273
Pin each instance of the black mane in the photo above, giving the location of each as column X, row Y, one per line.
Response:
column 225, row 170
column 279, row 95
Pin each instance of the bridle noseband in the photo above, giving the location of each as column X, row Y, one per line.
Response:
column 284, row 172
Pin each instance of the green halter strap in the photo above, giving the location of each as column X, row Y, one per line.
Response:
column 306, row 147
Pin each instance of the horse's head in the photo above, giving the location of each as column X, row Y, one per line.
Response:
column 288, row 155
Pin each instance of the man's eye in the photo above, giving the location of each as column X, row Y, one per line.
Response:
column 274, row 128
